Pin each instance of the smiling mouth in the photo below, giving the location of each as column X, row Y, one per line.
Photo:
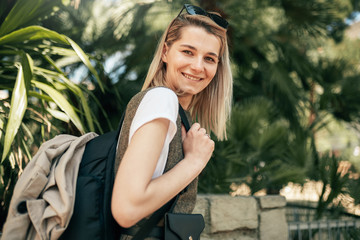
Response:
column 191, row 77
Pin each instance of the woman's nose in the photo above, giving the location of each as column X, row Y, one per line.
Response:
column 197, row 64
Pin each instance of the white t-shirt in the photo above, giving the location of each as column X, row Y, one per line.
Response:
column 157, row 103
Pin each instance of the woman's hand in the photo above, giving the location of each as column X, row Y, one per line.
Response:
column 198, row 146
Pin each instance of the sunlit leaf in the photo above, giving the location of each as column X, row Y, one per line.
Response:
column 12, row 160
column 26, row 149
column 67, row 84
column 61, row 101
column 33, row 33
column 86, row 61
column 39, row 96
column 83, row 100
column 1, row 128
column 17, row 111
column 26, row 12
column 55, row 50
column 27, row 132
column 28, row 66
column 58, row 115
column 36, row 32
column 66, row 61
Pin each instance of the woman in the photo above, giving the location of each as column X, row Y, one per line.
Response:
column 192, row 65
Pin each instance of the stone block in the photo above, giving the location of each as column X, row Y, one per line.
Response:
column 273, row 225
column 272, row 201
column 202, row 207
column 226, row 236
column 230, row 213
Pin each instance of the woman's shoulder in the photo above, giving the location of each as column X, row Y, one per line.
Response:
column 159, row 102
column 160, row 94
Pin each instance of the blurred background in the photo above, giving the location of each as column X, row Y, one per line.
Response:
column 71, row 66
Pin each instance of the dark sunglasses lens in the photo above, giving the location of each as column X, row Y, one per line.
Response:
column 219, row 20
column 193, row 10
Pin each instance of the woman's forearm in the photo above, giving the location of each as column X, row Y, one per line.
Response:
column 135, row 194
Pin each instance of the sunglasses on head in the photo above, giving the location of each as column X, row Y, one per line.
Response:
column 194, row 10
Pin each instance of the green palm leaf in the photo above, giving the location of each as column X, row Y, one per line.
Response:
column 25, row 12
column 58, row 114
column 61, row 101
column 17, row 110
column 33, row 33
column 56, row 77
column 85, row 60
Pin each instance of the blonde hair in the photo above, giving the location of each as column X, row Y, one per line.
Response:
column 211, row 107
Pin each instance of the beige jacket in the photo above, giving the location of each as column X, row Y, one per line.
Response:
column 43, row 199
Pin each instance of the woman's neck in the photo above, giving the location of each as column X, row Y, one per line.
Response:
column 185, row 102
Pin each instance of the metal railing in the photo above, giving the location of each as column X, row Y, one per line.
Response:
column 324, row 230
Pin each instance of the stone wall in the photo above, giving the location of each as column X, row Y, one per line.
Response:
column 244, row 218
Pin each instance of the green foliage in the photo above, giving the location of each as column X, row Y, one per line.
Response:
column 42, row 100
column 260, row 151
column 30, row 76
column 333, row 179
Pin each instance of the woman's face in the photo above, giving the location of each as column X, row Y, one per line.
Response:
column 191, row 61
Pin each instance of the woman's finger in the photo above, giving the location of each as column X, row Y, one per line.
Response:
column 195, row 126
column 202, row 131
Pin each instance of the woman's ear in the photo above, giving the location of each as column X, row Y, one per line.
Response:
column 164, row 53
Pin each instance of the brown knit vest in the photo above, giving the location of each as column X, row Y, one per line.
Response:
column 186, row 202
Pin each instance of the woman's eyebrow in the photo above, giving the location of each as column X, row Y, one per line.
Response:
column 193, row 48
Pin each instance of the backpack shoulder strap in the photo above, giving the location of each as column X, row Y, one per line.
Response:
column 183, row 117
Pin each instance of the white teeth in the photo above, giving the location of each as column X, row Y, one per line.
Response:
column 191, row 78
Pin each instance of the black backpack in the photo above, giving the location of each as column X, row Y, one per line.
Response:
column 92, row 217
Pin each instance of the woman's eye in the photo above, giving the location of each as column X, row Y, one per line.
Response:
column 187, row 52
column 210, row 59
